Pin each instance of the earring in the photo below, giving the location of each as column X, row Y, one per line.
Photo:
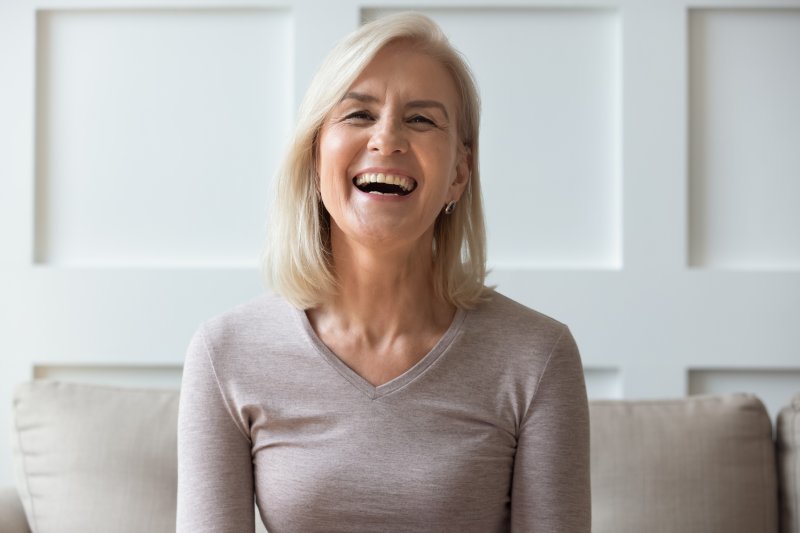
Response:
column 450, row 207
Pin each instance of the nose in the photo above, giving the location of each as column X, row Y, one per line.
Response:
column 388, row 137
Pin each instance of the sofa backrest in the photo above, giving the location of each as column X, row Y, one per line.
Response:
column 788, row 449
column 91, row 458
column 697, row 464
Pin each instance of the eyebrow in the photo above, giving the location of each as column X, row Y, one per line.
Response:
column 361, row 97
column 428, row 103
column 414, row 104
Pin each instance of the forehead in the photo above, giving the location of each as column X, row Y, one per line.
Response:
column 400, row 70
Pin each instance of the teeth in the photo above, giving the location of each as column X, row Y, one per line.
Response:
column 407, row 184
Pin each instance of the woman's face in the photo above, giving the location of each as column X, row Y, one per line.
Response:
column 397, row 124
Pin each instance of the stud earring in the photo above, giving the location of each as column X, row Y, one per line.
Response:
column 450, row 207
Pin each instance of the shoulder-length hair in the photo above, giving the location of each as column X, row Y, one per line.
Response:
column 297, row 261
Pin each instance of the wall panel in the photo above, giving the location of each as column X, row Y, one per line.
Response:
column 744, row 138
column 775, row 387
column 158, row 132
column 603, row 383
column 119, row 375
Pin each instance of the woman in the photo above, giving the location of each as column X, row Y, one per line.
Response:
column 383, row 388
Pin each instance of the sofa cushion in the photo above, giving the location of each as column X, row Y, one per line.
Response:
column 698, row 464
column 788, row 437
column 90, row 458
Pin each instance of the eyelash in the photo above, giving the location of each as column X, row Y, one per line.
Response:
column 426, row 120
column 358, row 115
column 364, row 115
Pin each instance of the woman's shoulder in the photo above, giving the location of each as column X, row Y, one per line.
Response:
column 522, row 336
column 516, row 330
column 501, row 312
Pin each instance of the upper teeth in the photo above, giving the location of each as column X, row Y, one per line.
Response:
column 403, row 182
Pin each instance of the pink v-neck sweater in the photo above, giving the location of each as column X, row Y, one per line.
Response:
column 489, row 432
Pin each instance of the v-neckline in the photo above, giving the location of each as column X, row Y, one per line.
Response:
column 396, row 383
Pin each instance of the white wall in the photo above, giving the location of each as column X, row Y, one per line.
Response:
column 641, row 163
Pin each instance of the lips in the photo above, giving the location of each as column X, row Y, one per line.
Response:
column 384, row 183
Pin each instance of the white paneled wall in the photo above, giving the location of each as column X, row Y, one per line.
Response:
column 641, row 167
column 745, row 139
column 157, row 129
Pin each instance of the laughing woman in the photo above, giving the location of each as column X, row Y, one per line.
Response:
column 383, row 387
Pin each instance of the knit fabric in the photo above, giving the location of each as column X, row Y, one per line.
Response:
column 488, row 432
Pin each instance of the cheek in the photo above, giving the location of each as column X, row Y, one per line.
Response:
column 333, row 191
column 332, row 164
column 442, row 164
column 335, row 150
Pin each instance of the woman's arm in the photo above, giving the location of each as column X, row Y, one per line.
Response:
column 551, row 489
column 215, row 469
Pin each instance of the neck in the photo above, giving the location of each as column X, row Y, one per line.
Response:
column 384, row 292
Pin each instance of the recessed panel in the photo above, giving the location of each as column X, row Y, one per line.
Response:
column 550, row 135
column 157, row 134
column 143, row 376
column 603, row 383
column 774, row 387
column 745, row 138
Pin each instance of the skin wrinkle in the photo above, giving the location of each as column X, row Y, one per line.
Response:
column 414, row 104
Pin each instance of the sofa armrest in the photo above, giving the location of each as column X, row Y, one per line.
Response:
column 12, row 515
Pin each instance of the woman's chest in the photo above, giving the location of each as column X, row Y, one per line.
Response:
column 385, row 468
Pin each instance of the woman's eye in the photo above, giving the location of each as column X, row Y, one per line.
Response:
column 419, row 119
column 358, row 115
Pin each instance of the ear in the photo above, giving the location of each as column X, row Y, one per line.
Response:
column 463, row 171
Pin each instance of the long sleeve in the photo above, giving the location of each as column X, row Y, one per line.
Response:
column 215, row 469
column 551, row 490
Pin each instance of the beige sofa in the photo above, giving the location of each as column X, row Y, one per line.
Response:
column 91, row 459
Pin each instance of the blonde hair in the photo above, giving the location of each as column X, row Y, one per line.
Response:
column 297, row 261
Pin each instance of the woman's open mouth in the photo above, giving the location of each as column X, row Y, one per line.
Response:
column 379, row 183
